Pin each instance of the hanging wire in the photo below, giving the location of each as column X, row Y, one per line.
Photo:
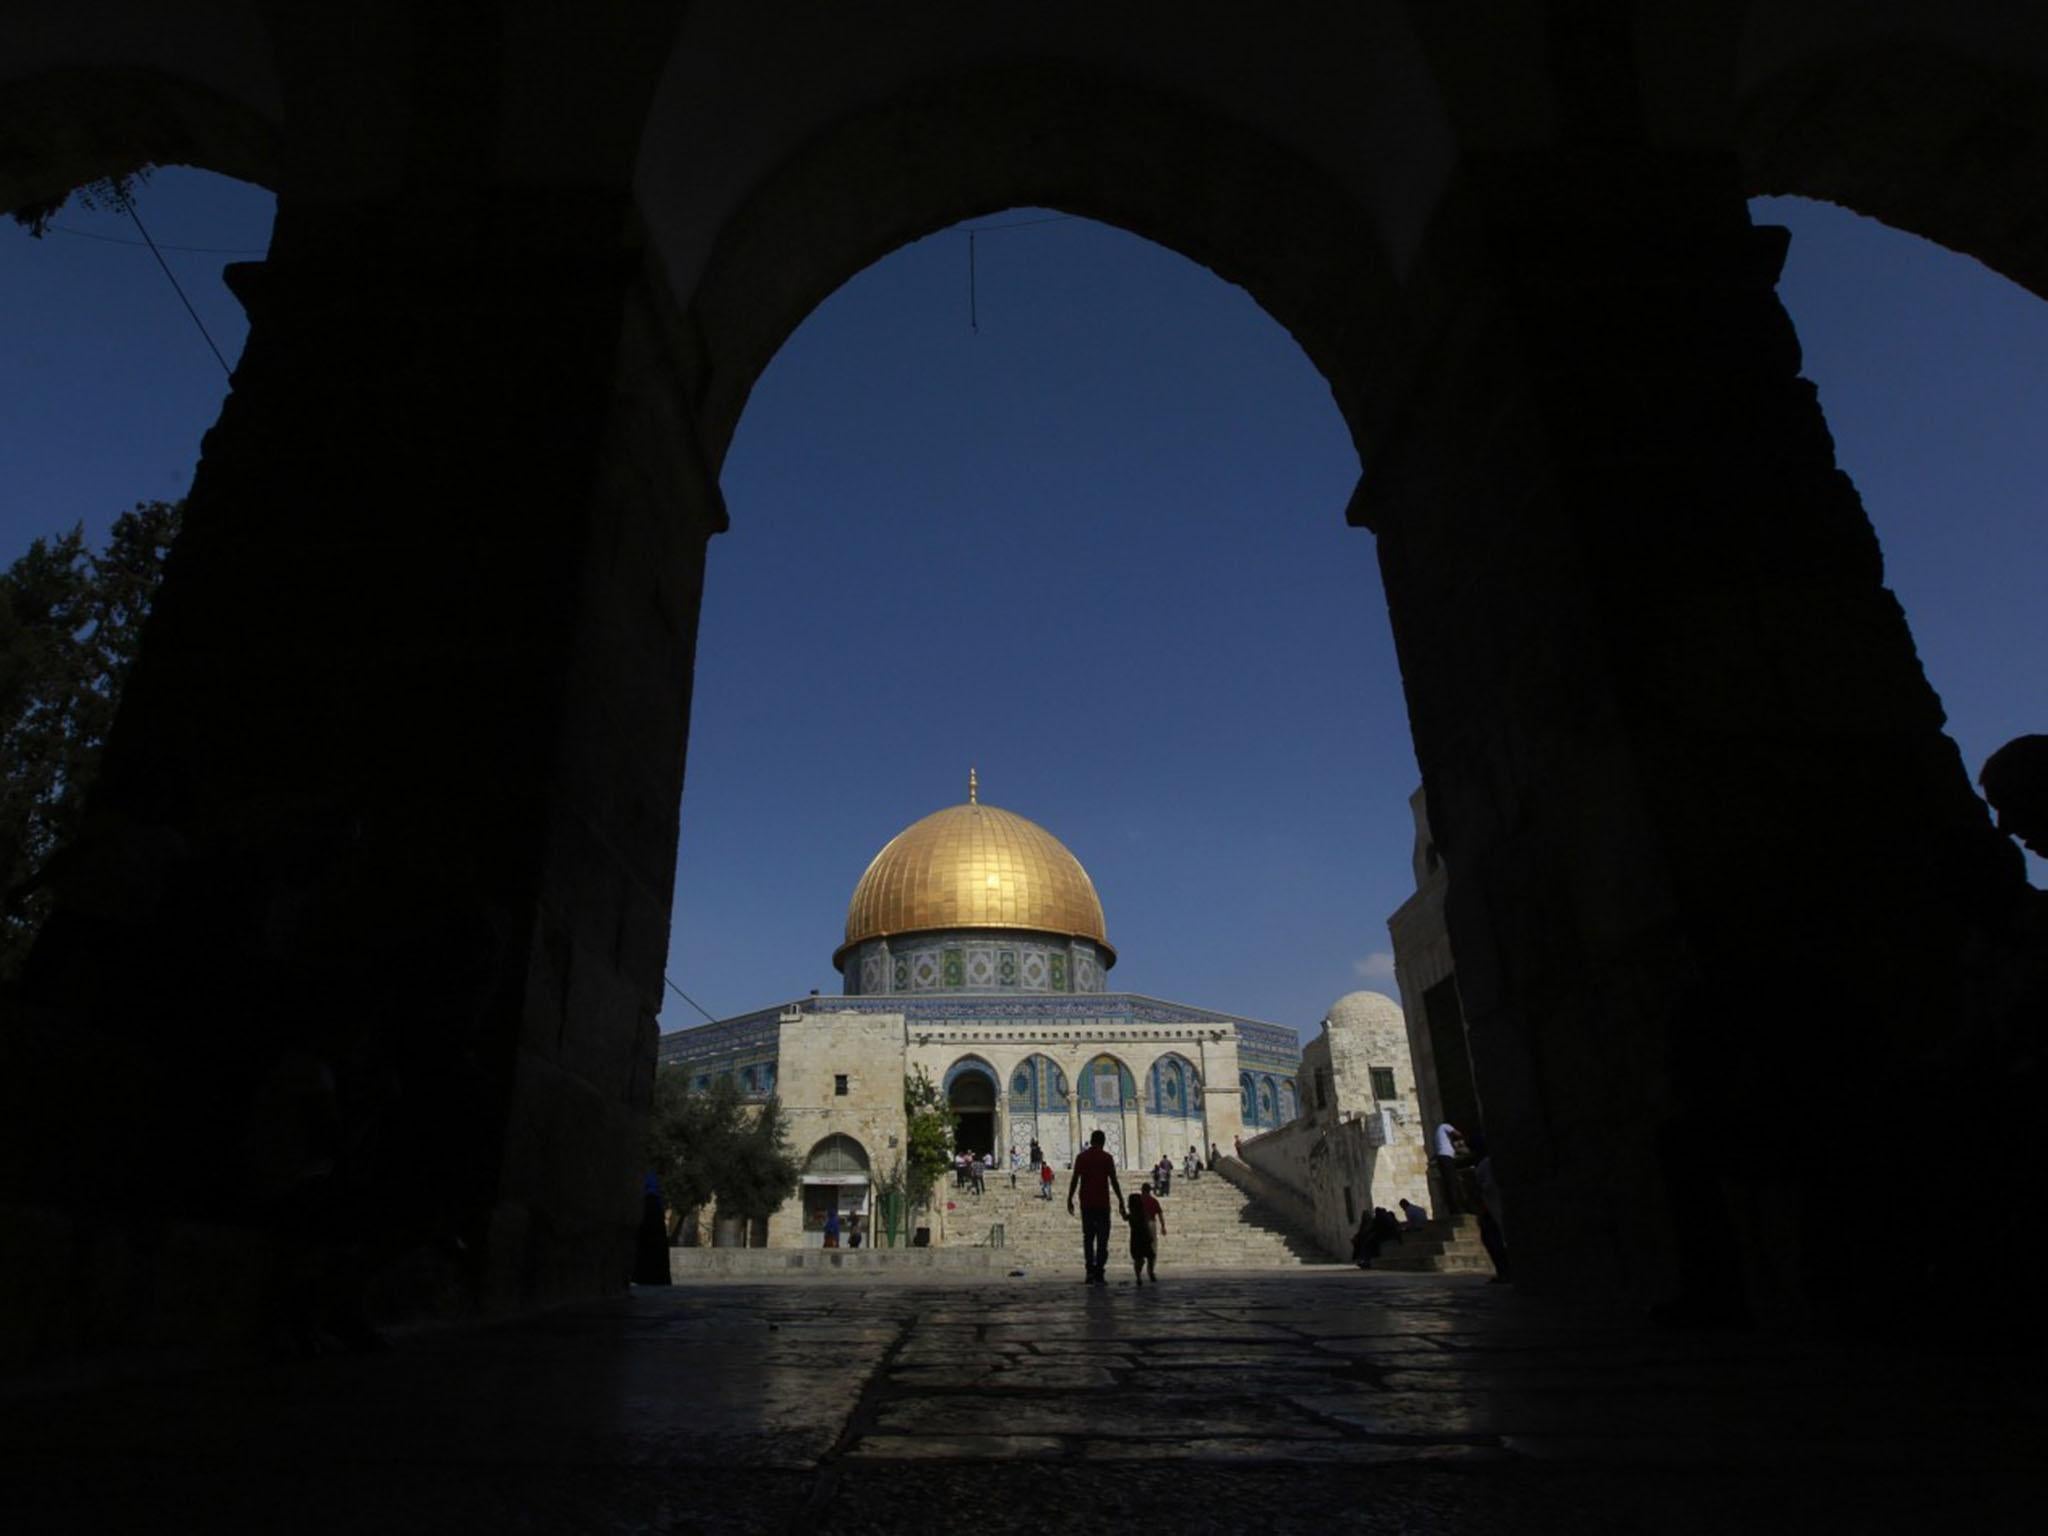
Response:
column 971, row 230
column 679, row 992
column 201, row 250
column 128, row 206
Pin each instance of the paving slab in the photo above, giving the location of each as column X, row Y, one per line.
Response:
column 1278, row 1402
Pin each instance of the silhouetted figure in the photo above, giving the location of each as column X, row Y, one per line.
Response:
column 650, row 1257
column 832, row 1227
column 1146, row 1220
column 1412, row 1214
column 1214, row 1155
column 1492, row 1228
column 1095, row 1178
column 855, row 1225
column 2015, row 781
column 1037, row 1158
column 1374, row 1230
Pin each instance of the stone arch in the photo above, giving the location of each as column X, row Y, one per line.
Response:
column 1290, row 1102
column 1202, row 179
column 1173, row 1086
column 969, row 1064
column 1174, row 1115
column 837, row 1153
column 90, row 123
column 1097, row 144
column 1106, row 1100
column 973, row 1091
column 1945, row 137
column 1094, row 1089
column 1040, row 1108
column 836, row 1178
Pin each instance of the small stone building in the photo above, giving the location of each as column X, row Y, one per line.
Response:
column 1359, row 1140
column 975, row 949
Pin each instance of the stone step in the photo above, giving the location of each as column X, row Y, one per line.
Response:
column 1209, row 1222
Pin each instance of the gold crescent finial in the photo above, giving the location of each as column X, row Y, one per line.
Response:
column 973, row 788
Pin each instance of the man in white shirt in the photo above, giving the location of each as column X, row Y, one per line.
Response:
column 1447, row 1139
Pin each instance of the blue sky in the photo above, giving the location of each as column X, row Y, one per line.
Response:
column 1095, row 549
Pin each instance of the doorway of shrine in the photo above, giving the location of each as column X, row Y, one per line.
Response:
column 972, row 1098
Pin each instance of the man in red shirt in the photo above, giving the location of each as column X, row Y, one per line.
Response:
column 1095, row 1177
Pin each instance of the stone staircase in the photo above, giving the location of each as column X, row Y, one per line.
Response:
column 1447, row 1246
column 1210, row 1224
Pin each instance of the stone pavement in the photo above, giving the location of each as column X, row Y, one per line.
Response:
column 1270, row 1402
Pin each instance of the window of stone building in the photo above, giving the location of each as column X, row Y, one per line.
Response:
column 839, row 1084
column 1383, row 1084
column 1322, row 1087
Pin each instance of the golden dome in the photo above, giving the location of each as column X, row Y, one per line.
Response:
column 974, row 866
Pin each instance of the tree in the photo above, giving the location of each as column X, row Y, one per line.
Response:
column 111, row 193
column 686, row 1135
column 70, row 625
column 928, row 1138
column 760, row 1170
column 710, row 1145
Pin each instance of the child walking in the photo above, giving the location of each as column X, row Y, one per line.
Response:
column 1144, row 1237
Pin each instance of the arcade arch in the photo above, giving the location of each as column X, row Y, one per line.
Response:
column 1040, row 1109
column 1175, row 1120
column 836, row 1177
column 971, row 1087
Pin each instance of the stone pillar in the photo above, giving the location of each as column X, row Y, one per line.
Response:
column 1680, row 758
column 1221, row 1118
column 403, row 752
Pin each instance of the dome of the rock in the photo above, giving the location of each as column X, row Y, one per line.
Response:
column 975, row 866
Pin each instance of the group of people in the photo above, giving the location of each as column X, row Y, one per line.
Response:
column 1379, row 1225
column 1469, row 1186
column 854, row 1228
column 971, row 1172
column 1162, row 1171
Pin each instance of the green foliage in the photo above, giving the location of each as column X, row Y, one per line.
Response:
column 928, row 1139
column 70, row 624
column 761, row 1172
column 713, row 1146
column 109, row 193
column 892, row 1204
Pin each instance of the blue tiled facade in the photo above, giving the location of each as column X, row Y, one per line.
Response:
column 973, row 960
column 1268, row 1054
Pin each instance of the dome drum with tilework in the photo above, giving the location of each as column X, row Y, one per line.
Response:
column 975, row 869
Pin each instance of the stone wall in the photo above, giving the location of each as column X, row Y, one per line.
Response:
column 816, row 1049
